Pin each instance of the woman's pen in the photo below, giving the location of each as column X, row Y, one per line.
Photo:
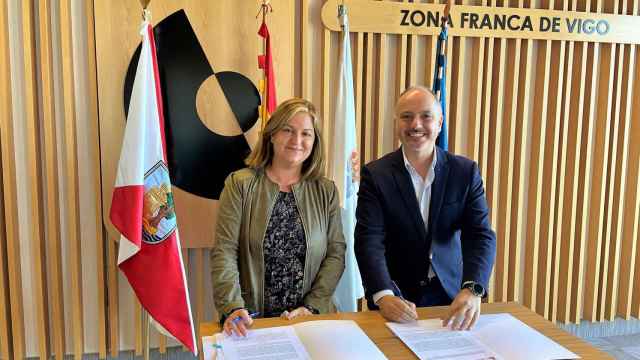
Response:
column 252, row 315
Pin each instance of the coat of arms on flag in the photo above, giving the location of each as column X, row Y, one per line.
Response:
column 158, row 214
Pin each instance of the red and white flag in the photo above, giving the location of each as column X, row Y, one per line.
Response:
column 142, row 208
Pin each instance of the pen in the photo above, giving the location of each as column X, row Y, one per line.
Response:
column 397, row 289
column 252, row 315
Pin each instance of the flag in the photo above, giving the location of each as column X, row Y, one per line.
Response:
column 344, row 134
column 440, row 82
column 265, row 62
column 142, row 208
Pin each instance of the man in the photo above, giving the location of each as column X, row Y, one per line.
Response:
column 423, row 236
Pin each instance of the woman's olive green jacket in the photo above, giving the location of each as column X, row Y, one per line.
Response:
column 237, row 259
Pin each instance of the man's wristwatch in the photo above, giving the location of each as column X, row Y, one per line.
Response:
column 475, row 288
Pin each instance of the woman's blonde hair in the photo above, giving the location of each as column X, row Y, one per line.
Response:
column 262, row 154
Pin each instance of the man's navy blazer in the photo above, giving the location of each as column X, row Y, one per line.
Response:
column 391, row 242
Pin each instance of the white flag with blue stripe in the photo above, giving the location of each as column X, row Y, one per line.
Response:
column 344, row 134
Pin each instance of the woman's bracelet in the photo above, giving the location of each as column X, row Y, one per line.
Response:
column 311, row 309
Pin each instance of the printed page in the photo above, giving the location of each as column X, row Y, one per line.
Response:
column 504, row 334
column 208, row 347
column 429, row 340
column 280, row 343
column 337, row 339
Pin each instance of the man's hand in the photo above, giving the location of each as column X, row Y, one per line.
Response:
column 396, row 309
column 464, row 311
column 301, row 311
column 238, row 321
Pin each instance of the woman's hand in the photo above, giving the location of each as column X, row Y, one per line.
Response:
column 301, row 311
column 238, row 321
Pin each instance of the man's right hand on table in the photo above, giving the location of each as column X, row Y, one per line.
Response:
column 393, row 308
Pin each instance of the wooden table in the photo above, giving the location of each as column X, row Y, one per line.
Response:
column 373, row 325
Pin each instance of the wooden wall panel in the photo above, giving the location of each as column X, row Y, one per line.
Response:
column 380, row 95
column 591, row 53
column 628, row 247
column 304, row 49
column 548, row 240
column 326, row 83
column 50, row 154
column 457, row 96
column 519, row 176
column 601, row 162
column 619, row 181
column 8, row 229
column 9, row 186
column 112, row 296
column 74, row 257
column 358, row 82
column 611, row 154
column 94, row 126
column 475, row 100
column 37, row 246
column 494, row 182
column 629, row 173
column 570, row 172
column 534, row 198
column 632, row 221
column 367, row 101
column 5, row 308
column 508, row 164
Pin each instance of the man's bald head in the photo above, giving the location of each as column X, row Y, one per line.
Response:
column 418, row 90
column 418, row 120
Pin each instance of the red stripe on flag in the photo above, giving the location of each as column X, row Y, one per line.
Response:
column 156, row 78
column 266, row 63
column 126, row 211
column 151, row 272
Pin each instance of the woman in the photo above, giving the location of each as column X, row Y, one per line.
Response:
column 279, row 247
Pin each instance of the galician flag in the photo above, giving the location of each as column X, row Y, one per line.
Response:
column 142, row 207
column 350, row 286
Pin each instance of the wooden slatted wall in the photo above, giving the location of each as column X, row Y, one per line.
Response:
column 554, row 126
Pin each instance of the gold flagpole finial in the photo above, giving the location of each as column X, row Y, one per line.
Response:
column 265, row 8
column 146, row 14
column 445, row 15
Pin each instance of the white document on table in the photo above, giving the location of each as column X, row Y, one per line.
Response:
column 337, row 339
column 514, row 339
column 208, row 347
column 321, row 339
column 262, row 344
column 429, row 340
column 497, row 336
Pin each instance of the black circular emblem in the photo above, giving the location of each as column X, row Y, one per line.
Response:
column 199, row 159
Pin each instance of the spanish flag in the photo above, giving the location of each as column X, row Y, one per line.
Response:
column 268, row 86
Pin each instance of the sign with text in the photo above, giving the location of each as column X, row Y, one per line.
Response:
column 484, row 21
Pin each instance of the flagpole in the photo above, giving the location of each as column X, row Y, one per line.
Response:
column 145, row 334
column 264, row 8
column 146, row 16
